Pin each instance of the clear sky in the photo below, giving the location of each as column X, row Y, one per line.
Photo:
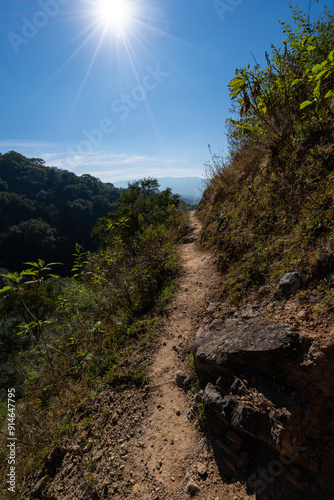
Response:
column 130, row 89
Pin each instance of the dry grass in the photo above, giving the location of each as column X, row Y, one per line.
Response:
column 271, row 210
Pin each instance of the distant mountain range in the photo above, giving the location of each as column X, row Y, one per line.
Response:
column 189, row 188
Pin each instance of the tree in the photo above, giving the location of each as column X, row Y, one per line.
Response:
column 139, row 206
column 27, row 240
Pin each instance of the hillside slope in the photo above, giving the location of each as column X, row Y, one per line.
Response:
column 265, row 360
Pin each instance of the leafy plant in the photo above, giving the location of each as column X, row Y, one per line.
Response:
column 297, row 75
column 201, row 412
column 38, row 273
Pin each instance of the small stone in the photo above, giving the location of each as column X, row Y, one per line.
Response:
column 182, row 380
column 264, row 291
column 248, row 312
column 201, row 469
column 204, row 444
column 289, row 283
column 136, row 488
column 76, row 450
column 97, row 456
column 178, row 413
column 37, row 490
column 303, row 315
column 192, row 488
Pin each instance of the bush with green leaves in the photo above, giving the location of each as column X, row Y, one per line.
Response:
column 137, row 256
column 140, row 205
column 296, row 86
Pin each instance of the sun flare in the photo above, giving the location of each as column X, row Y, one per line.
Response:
column 114, row 14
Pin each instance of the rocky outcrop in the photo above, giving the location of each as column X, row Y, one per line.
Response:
column 270, row 399
column 289, row 284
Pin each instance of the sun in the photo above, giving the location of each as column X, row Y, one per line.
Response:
column 114, row 14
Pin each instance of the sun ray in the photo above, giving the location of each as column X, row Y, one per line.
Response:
column 124, row 33
column 88, row 72
column 93, row 31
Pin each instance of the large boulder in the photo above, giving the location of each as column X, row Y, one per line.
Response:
column 266, row 383
column 268, row 347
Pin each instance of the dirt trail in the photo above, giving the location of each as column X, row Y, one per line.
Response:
column 172, row 451
column 139, row 443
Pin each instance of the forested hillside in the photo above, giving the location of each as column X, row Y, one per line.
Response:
column 45, row 211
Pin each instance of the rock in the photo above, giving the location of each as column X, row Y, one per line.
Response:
column 243, row 460
column 269, row 392
column 182, row 380
column 324, row 266
column 37, row 490
column 232, row 322
column 212, row 397
column 289, row 283
column 235, row 438
column 201, row 469
column 192, row 488
column 264, row 291
column 248, row 312
column 213, row 307
column 97, row 457
column 224, row 351
column 303, row 315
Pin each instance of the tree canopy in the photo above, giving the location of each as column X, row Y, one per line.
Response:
column 45, row 211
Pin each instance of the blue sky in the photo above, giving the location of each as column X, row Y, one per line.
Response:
column 140, row 99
